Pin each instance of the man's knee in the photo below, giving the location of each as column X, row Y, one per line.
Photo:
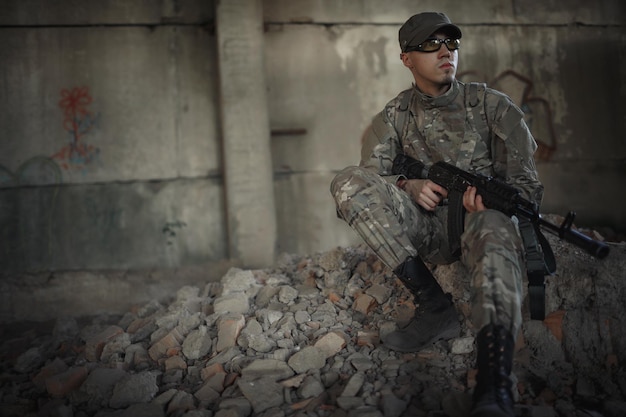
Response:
column 492, row 226
column 348, row 182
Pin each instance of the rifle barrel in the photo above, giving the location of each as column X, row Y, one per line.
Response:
column 598, row 249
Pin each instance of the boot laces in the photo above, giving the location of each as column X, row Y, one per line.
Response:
column 494, row 383
column 498, row 364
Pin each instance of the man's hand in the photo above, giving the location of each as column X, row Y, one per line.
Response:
column 471, row 201
column 425, row 193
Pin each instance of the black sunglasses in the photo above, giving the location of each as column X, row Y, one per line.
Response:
column 434, row 44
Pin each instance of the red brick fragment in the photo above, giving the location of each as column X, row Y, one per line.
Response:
column 554, row 322
column 60, row 385
column 53, row 368
column 96, row 343
column 364, row 304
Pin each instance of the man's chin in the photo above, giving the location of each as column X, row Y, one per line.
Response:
column 448, row 76
column 447, row 80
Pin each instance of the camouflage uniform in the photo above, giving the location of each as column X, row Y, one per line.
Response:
column 395, row 227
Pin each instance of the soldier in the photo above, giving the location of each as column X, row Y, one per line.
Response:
column 405, row 220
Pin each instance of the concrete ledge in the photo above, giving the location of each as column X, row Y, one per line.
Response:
column 50, row 295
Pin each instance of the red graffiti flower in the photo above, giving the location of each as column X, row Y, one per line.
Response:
column 78, row 121
column 74, row 103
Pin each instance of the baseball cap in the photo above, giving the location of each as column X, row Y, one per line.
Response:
column 420, row 26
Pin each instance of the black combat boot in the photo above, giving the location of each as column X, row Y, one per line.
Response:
column 493, row 396
column 435, row 316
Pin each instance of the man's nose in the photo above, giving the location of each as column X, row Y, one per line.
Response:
column 444, row 51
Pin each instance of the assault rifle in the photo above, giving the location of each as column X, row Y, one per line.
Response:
column 500, row 196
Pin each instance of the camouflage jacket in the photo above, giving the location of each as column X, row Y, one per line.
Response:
column 444, row 128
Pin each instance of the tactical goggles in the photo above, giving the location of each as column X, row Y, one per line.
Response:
column 434, row 44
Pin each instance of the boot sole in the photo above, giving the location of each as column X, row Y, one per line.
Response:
column 446, row 335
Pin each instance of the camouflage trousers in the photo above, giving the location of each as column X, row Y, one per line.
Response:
column 395, row 227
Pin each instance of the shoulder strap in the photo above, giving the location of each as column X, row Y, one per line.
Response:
column 402, row 115
column 540, row 261
column 476, row 118
column 475, row 104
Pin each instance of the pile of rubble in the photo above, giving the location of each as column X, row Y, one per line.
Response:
column 302, row 339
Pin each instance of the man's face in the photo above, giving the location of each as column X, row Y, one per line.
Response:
column 433, row 71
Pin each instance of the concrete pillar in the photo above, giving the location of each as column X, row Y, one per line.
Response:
column 247, row 158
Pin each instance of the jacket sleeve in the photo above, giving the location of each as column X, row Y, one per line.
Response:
column 380, row 145
column 513, row 149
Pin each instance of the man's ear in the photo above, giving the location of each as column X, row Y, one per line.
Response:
column 405, row 60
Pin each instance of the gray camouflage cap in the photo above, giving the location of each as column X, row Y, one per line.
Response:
column 419, row 27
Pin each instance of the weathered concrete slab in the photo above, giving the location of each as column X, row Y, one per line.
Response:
column 77, row 12
column 467, row 12
column 601, row 204
column 112, row 226
column 110, row 104
column 304, row 204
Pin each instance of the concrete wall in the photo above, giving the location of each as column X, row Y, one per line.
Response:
column 110, row 146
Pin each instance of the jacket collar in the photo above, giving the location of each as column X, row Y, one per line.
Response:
column 443, row 100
